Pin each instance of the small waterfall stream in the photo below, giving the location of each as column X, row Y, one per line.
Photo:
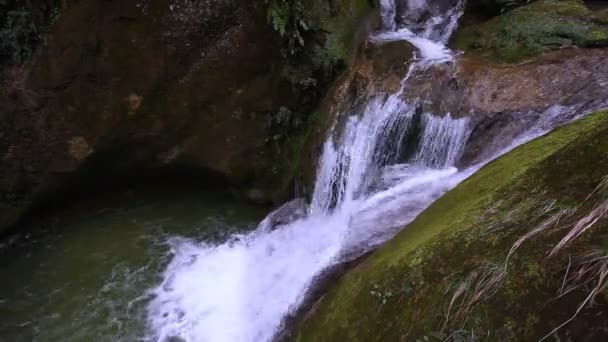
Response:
column 367, row 189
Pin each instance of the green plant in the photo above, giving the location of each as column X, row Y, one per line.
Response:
column 511, row 4
column 288, row 18
column 17, row 36
column 528, row 31
column 23, row 26
column 382, row 295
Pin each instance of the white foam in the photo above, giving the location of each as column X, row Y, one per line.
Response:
column 240, row 291
column 431, row 52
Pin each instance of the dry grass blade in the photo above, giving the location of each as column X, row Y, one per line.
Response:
column 478, row 286
column 599, row 211
column 591, row 272
column 500, row 221
column 592, row 268
column 603, row 185
column 550, row 223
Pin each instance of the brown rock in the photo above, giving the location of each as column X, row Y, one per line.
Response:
column 147, row 84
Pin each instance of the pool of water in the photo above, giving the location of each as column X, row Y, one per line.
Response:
column 84, row 272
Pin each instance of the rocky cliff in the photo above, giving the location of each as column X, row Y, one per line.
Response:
column 94, row 91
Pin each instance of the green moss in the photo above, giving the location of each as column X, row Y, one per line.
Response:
column 530, row 30
column 339, row 29
column 403, row 291
column 596, row 38
column 601, row 17
column 287, row 163
column 479, row 10
column 307, row 74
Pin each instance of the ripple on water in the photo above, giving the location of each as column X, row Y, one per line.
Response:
column 83, row 274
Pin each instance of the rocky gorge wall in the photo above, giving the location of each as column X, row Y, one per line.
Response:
column 94, row 91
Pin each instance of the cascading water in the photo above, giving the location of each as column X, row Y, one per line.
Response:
column 370, row 184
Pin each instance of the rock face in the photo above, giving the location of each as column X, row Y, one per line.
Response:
column 527, row 31
column 127, row 85
column 455, row 273
column 378, row 68
column 287, row 213
column 504, row 99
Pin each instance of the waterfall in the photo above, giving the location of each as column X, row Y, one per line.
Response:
column 426, row 19
column 442, row 141
column 366, row 143
column 377, row 172
column 388, row 12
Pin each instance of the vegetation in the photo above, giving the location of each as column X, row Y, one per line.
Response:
column 516, row 252
column 22, row 28
column 318, row 40
column 528, row 31
column 489, row 8
column 288, row 18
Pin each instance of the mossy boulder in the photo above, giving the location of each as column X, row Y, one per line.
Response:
column 447, row 277
column 480, row 10
column 530, row 30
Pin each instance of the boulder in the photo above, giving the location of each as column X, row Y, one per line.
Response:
column 289, row 212
column 522, row 33
column 121, row 87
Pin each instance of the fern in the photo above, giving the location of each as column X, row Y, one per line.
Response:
column 288, row 18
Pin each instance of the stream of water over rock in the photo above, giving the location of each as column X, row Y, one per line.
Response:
column 159, row 276
column 369, row 185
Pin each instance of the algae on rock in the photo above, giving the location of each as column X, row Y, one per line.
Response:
column 446, row 276
column 530, row 30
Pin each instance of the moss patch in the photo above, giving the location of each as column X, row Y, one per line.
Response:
column 446, row 275
column 530, row 30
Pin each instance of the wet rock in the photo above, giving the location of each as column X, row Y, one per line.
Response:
column 175, row 339
column 378, row 68
column 134, row 102
column 257, row 195
column 522, row 33
column 287, row 213
column 79, row 148
column 503, row 100
column 154, row 83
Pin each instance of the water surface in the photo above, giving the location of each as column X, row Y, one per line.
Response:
column 83, row 273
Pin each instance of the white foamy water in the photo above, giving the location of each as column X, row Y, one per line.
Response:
column 240, row 291
column 370, row 184
column 431, row 52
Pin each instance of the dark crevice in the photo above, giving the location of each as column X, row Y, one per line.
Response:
column 596, row 4
column 113, row 172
